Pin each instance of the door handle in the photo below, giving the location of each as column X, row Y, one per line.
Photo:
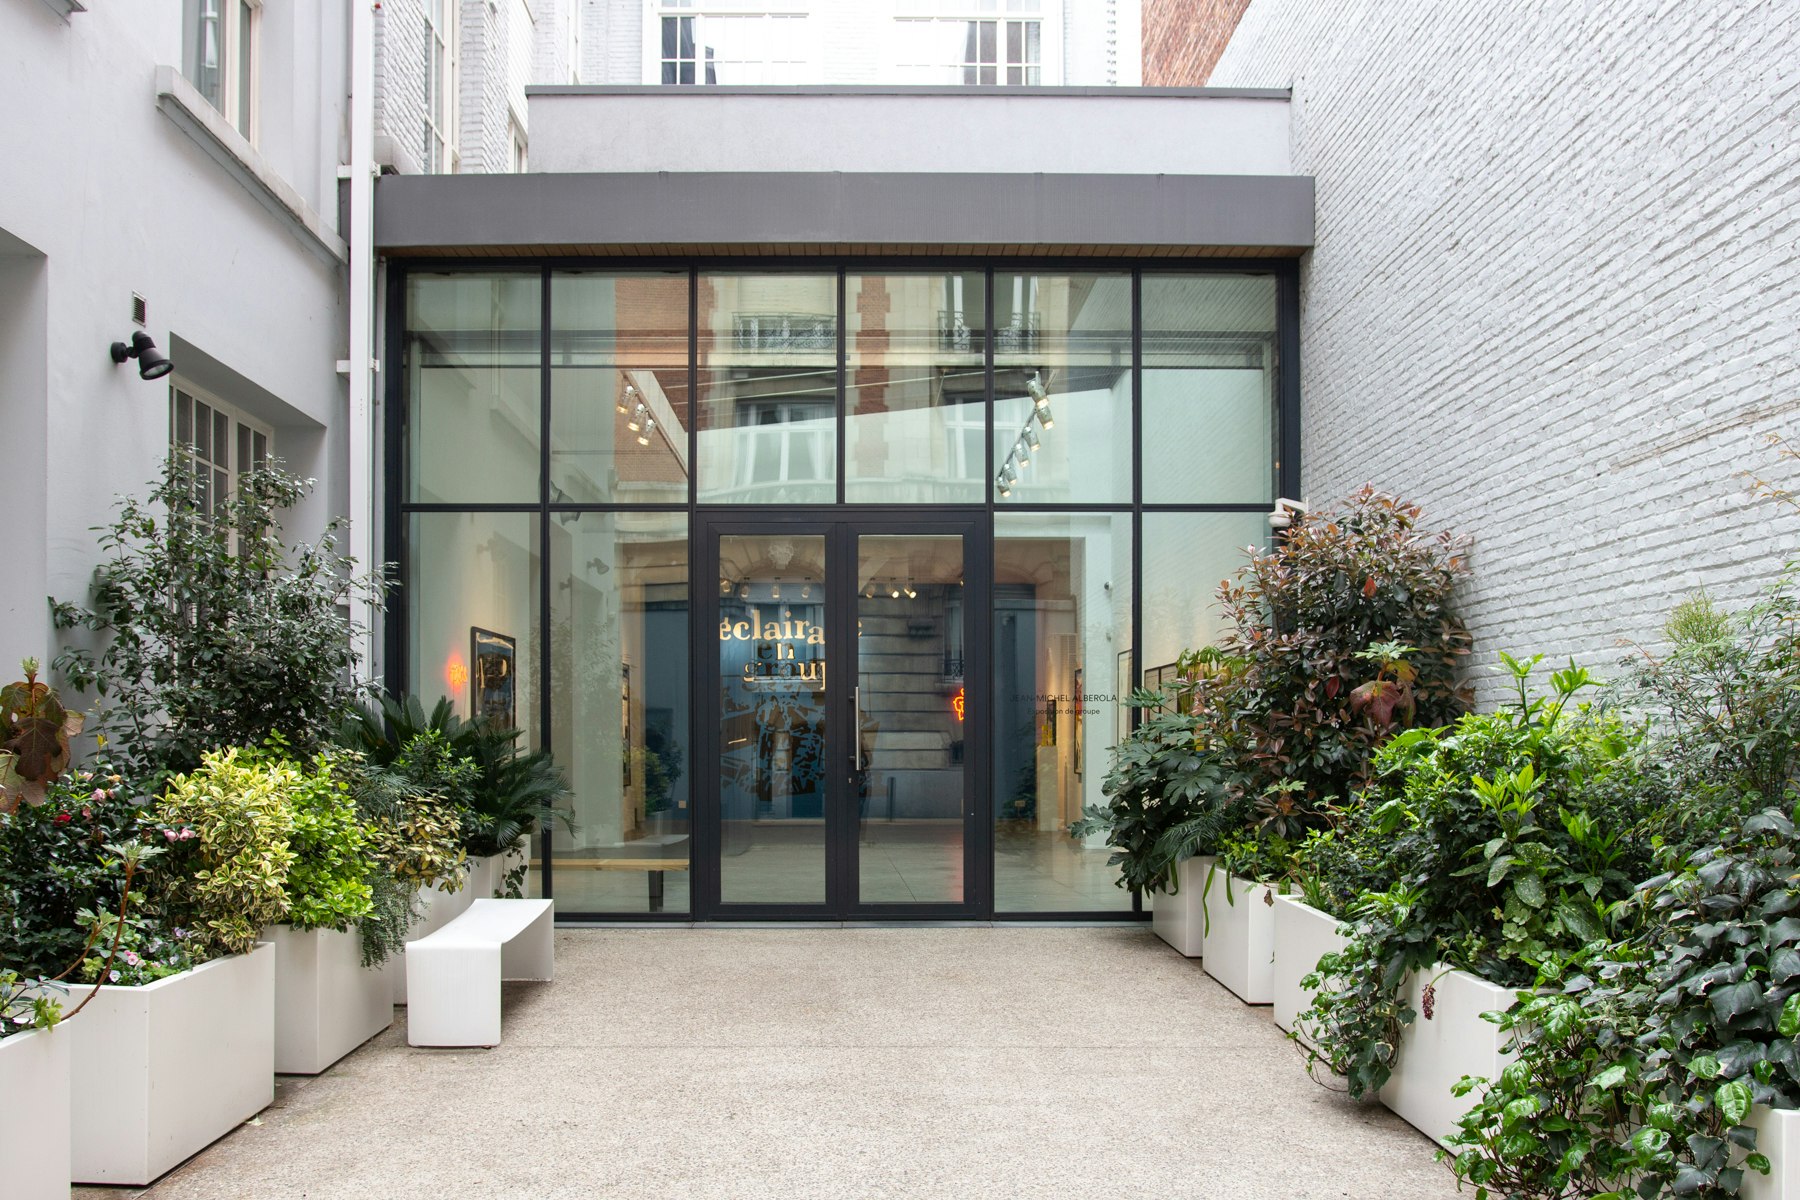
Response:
column 856, row 728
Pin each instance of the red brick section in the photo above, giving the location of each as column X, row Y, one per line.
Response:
column 1183, row 39
column 873, row 305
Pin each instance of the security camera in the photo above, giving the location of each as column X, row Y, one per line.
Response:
column 1285, row 511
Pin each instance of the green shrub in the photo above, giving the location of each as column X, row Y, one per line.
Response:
column 328, row 886
column 1339, row 637
column 55, row 863
column 230, row 877
column 498, row 801
column 212, row 631
column 1496, row 845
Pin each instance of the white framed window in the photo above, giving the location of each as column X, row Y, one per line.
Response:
column 440, row 86
column 217, row 440
column 977, row 43
column 698, row 42
column 221, row 46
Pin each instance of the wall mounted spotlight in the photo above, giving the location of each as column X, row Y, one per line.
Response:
column 1285, row 512
column 152, row 363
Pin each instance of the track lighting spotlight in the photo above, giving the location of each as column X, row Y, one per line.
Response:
column 649, row 428
column 1040, row 395
column 912, row 593
column 806, row 592
column 894, row 591
column 152, row 363
column 775, row 592
column 638, row 416
column 743, row 591
column 1044, row 418
column 625, row 401
column 1031, row 438
column 724, row 587
column 1009, row 473
column 1002, row 487
column 1023, row 453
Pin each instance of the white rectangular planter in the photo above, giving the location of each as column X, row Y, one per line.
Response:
column 34, row 1135
column 1240, row 937
column 1303, row 935
column 1778, row 1136
column 326, row 1002
column 1437, row 1051
column 170, row 1067
column 1178, row 919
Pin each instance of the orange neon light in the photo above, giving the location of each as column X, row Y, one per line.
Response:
column 456, row 674
column 960, row 702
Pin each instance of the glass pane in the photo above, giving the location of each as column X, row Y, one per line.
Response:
column 915, row 388
column 618, row 388
column 1062, row 388
column 668, row 36
column 1061, row 644
column 772, row 630
column 184, row 420
column 246, row 67
column 619, row 724
column 203, row 424
column 244, row 461
column 911, row 710
column 768, row 388
column 1209, row 389
column 472, row 596
column 1186, row 557
column 473, row 386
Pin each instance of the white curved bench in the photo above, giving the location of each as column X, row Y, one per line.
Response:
column 453, row 975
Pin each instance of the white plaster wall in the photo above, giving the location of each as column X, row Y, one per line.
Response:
column 104, row 195
column 1553, row 297
column 697, row 130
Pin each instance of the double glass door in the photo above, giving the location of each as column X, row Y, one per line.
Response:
column 842, row 693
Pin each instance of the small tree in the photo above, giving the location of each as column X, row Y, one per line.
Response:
column 213, row 631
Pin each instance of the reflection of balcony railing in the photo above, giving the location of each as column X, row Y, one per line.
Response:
column 953, row 332
column 1018, row 335
column 774, row 333
column 953, row 666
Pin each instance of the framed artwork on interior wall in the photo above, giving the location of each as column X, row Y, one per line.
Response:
column 492, row 684
column 1047, row 735
column 1080, row 710
column 625, row 719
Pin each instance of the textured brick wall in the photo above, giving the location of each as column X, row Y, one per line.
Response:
column 1553, row 297
column 400, row 80
column 1184, row 38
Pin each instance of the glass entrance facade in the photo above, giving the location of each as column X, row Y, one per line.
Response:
column 825, row 584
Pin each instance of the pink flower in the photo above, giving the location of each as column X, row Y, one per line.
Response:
column 99, row 794
column 169, row 833
column 131, row 958
column 88, row 813
column 114, row 976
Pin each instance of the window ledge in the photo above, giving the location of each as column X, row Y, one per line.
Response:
column 63, row 8
column 182, row 103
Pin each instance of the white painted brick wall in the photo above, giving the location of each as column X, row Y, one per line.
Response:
column 400, row 80
column 1554, row 293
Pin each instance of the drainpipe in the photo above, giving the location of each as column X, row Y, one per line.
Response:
column 361, row 367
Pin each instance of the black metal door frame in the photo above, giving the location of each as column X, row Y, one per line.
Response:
column 840, row 527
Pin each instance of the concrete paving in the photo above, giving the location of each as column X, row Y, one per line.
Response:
column 907, row 1062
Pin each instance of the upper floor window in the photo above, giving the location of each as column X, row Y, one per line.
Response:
column 440, row 87
column 722, row 42
column 219, row 50
column 972, row 42
column 217, row 441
